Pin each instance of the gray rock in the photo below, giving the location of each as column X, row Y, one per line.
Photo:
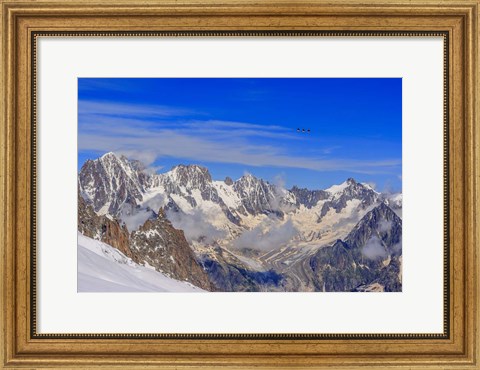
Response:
column 369, row 254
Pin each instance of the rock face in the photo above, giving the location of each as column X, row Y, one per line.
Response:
column 229, row 274
column 381, row 224
column 259, row 197
column 370, row 254
column 116, row 186
column 102, row 228
column 309, row 198
column 162, row 246
column 184, row 179
column 349, row 191
column 256, row 195
column 111, row 181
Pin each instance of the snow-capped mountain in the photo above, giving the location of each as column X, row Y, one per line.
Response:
column 237, row 235
column 348, row 191
column 112, row 181
column 259, row 197
column 119, row 187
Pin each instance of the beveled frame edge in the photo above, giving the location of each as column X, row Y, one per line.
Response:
column 20, row 18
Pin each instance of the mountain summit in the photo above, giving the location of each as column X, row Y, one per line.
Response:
column 112, row 181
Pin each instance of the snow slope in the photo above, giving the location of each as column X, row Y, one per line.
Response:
column 102, row 268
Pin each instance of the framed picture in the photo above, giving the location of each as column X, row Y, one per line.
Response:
column 234, row 184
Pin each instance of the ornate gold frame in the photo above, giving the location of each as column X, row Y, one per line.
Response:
column 23, row 21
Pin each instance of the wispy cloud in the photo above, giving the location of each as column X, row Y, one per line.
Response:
column 330, row 149
column 374, row 249
column 234, row 125
column 149, row 132
column 113, row 109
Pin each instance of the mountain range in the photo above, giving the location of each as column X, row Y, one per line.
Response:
column 243, row 235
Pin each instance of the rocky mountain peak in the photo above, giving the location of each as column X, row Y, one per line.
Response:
column 354, row 187
column 165, row 248
column 256, row 195
column 111, row 181
column 191, row 175
column 381, row 223
column 347, row 191
column 349, row 186
column 109, row 156
column 309, row 198
column 248, row 183
column 247, row 178
column 380, row 213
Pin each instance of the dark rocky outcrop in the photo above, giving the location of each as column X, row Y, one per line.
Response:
column 369, row 254
column 102, row 228
column 308, row 198
column 229, row 274
column 165, row 248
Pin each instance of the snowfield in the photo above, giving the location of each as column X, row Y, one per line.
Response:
column 102, row 268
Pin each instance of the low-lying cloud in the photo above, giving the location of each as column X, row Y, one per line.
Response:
column 268, row 235
column 195, row 225
column 374, row 249
column 134, row 217
column 279, row 202
column 384, row 226
column 135, row 220
column 156, row 202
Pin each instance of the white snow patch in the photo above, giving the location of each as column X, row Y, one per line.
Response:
column 151, row 233
column 375, row 287
column 335, row 189
column 182, row 203
column 104, row 210
column 197, row 195
column 102, row 268
column 369, row 187
column 228, row 194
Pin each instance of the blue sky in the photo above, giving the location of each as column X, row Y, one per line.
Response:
column 239, row 125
